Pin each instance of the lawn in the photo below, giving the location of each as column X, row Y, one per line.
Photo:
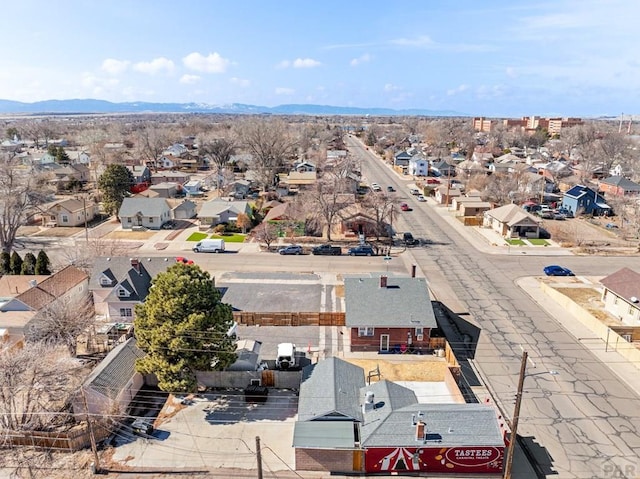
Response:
column 197, row 236
column 230, row 237
column 515, row 242
column 538, row 242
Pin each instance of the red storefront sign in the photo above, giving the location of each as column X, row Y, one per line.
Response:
column 444, row 459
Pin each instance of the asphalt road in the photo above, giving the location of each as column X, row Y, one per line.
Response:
column 578, row 420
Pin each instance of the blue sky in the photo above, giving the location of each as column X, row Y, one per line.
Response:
column 490, row 57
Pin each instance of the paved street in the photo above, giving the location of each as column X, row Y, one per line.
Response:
column 580, row 421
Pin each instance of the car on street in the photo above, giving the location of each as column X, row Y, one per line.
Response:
column 611, row 226
column 421, row 198
column 291, row 249
column 555, row 270
column 408, row 239
column 404, row 207
column 390, row 189
column 433, row 181
column 559, row 216
column 327, row 250
column 376, row 187
column 361, row 250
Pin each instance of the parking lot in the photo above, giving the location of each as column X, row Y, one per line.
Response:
column 216, row 430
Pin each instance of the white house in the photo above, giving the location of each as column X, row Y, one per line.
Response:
column 418, row 166
column 149, row 213
column 621, row 296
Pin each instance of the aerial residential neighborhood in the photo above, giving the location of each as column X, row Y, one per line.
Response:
column 371, row 304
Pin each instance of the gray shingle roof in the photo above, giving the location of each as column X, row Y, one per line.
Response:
column 115, row 371
column 625, row 283
column 217, row 206
column 330, row 390
column 447, row 425
column 147, row 206
column 405, row 302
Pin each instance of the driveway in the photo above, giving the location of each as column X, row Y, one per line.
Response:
column 216, row 430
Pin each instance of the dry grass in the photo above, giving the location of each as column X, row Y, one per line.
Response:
column 130, row 235
column 589, row 299
column 415, row 370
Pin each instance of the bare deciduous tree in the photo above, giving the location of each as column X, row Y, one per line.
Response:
column 266, row 233
column 151, row 141
column 327, row 198
column 62, row 322
column 219, row 151
column 36, row 383
column 380, row 208
column 270, row 144
column 83, row 254
column 21, row 193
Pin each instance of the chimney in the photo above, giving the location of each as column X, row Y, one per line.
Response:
column 383, row 281
column 135, row 264
column 369, row 402
column 420, row 431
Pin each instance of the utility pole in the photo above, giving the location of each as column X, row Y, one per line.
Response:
column 84, row 210
column 514, row 421
column 259, row 457
column 92, row 437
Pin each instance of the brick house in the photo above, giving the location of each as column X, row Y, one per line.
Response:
column 619, row 186
column 388, row 314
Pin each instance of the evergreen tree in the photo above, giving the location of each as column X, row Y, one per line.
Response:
column 5, row 263
column 15, row 263
column 182, row 326
column 114, row 184
column 43, row 265
column 29, row 264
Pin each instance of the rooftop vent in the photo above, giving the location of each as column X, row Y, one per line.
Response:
column 633, row 299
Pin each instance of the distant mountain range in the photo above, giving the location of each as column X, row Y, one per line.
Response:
column 89, row 106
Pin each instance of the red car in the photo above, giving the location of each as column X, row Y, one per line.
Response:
column 404, row 207
column 433, row 181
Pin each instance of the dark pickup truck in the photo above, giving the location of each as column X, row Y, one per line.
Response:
column 327, row 250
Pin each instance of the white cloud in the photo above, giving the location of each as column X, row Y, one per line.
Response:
column 240, row 82
column 114, row 67
column 189, row 79
column 458, row 89
column 360, row 60
column 285, row 91
column 212, row 63
column 419, row 41
column 155, row 66
column 299, row 63
column 305, row 63
column 391, row 87
column 511, row 72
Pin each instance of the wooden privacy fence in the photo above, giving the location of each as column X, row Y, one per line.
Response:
column 70, row 440
column 288, row 319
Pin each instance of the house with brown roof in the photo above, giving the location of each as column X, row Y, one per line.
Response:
column 22, row 312
column 621, row 296
column 511, row 221
column 70, row 212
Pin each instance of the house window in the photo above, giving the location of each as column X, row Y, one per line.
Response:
column 105, row 281
column 151, row 220
column 419, row 331
column 631, row 308
column 129, row 220
column 615, row 301
column 64, row 218
column 363, row 331
column 126, row 312
column 122, row 293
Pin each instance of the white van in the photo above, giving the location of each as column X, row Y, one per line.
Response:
column 209, row 246
column 286, row 358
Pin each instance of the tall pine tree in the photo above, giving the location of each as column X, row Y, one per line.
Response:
column 29, row 264
column 16, row 263
column 43, row 265
column 183, row 326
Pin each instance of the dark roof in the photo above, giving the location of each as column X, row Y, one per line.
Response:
column 120, row 271
column 330, row 390
column 621, row 182
column 404, row 302
column 115, row 371
column 624, row 283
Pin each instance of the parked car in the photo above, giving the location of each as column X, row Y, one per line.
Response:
column 361, row 250
column 555, row 270
column 566, row 212
column 433, row 181
column 408, row 239
column 421, row 198
column 559, row 216
column 376, row 187
column 611, row 226
column 390, row 189
column 169, row 225
column 291, row 249
column 404, row 207
column 327, row 250
column 142, row 426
